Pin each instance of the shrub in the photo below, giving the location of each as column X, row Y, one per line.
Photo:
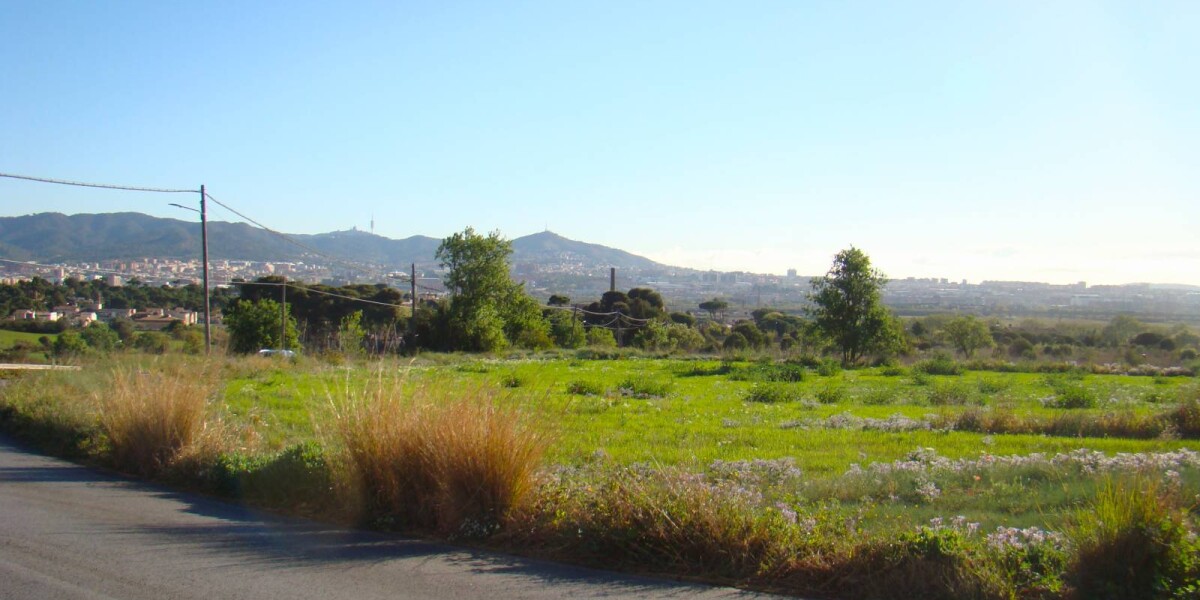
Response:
column 581, row 387
column 1071, row 395
column 831, row 394
column 1133, row 545
column 150, row 417
column 949, row 394
column 644, row 387
column 829, row 367
column 512, row 380
column 446, row 459
column 658, row 520
column 893, row 371
column 940, row 364
column 770, row 393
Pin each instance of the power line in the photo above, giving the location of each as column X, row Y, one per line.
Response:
column 106, row 186
column 290, row 240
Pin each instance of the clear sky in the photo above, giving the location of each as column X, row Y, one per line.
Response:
column 1054, row 141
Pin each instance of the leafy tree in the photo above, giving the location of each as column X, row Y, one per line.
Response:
column 714, row 307
column 488, row 310
column 69, row 343
column 255, row 325
column 848, row 310
column 125, row 330
column 152, row 342
column 565, row 330
column 968, row 333
column 558, row 300
column 1120, row 329
column 351, row 334
column 100, row 337
column 735, row 341
column 683, row 319
column 601, row 338
column 751, row 333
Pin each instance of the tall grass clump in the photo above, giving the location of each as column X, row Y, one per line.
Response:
column 659, row 520
column 437, row 457
column 1133, row 541
column 151, row 417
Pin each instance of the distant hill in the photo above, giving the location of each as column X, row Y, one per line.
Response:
column 551, row 247
column 55, row 237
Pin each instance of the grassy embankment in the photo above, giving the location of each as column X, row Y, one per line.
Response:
column 878, row 483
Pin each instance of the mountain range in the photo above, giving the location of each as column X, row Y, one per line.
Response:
column 55, row 237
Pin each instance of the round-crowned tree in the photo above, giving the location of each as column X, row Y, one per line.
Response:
column 847, row 307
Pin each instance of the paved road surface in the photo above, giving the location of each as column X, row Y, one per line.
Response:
column 73, row 533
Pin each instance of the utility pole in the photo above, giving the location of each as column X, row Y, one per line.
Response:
column 204, row 253
column 413, row 282
column 283, row 314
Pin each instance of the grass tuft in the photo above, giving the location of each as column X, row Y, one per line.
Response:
column 437, row 458
column 1134, row 544
column 151, row 417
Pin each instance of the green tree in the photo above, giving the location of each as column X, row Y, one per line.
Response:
column 488, row 310
column 968, row 333
column 847, row 309
column 1120, row 329
column 558, row 300
column 351, row 334
column 601, row 338
column 255, row 325
column 152, row 342
column 69, row 343
column 100, row 337
column 714, row 307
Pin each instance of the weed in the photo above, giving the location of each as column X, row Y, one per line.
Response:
column 831, row 394
column 1133, row 545
column 583, row 387
column 771, row 393
column 512, row 380
column 1072, row 395
column 640, row 386
column 943, row 394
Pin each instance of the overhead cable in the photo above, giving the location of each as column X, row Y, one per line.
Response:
column 107, row 186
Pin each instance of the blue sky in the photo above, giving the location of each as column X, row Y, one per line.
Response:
column 1005, row 140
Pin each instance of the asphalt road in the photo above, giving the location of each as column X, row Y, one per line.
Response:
column 73, row 533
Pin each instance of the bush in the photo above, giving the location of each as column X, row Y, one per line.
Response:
column 831, row 394
column 1072, row 395
column 771, row 393
column 829, row 367
column 940, row 364
column 950, row 394
column 512, row 380
column 582, row 387
column 1133, row 545
column 645, row 387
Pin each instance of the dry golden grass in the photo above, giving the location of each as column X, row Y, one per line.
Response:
column 437, row 457
column 151, row 417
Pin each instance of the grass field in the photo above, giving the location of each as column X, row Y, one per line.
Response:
column 690, row 414
column 988, row 467
column 8, row 338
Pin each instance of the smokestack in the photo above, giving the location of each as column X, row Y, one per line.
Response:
column 612, row 279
